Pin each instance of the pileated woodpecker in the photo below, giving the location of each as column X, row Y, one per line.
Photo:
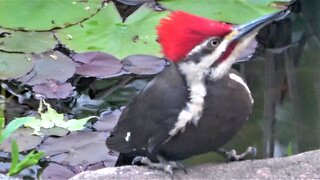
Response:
column 195, row 105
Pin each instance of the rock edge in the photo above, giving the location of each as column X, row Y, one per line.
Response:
column 301, row 166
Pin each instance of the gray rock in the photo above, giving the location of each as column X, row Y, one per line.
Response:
column 301, row 166
column 5, row 177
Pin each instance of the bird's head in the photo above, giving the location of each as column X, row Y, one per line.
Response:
column 189, row 38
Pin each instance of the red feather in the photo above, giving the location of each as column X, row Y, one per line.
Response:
column 181, row 32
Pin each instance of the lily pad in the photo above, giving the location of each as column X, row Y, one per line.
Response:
column 14, row 66
column 45, row 14
column 106, row 32
column 51, row 65
column 24, row 138
column 232, row 11
column 95, row 167
column 56, row 171
column 78, row 148
column 26, row 42
column 55, row 131
column 84, row 156
column 143, row 64
column 106, row 122
column 97, row 64
column 53, row 89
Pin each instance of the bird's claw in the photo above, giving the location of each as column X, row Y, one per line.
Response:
column 138, row 159
column 166, row 166
column 232, row 155
column 181, row 166
column 251, row 151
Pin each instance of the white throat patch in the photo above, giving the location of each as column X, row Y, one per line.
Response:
column 195, row 75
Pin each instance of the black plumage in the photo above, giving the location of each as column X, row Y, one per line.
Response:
column 153, row 113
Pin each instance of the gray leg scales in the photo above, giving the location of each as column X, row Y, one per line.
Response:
column 166, row 166
column 232, row 155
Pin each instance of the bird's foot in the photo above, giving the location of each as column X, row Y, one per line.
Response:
column 232, row 155
column 164, row 165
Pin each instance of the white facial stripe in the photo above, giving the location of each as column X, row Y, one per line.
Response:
column 222, row 68
column 240, row 81
column 208, row 60
column 195, row 74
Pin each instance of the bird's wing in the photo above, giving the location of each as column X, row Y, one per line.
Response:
column 147, row 120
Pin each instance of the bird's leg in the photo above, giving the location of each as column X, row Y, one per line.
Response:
column 166, row 166
column 232, row 155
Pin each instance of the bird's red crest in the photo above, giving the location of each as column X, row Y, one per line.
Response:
column 181, row 32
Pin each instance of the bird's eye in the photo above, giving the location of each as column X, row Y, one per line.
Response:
column 214, row 42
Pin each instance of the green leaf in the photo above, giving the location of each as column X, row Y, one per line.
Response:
column 14, row 65
column 48, row 119
column 51, row 117
column 106, row 32
column 232, row 11
column 76, row 124
column 289, row 149
column 35, row 124
column 14, row 156
column 28, row 161
column 27, row 42
column 45, row 14
column 13, row 126
column 1, row 124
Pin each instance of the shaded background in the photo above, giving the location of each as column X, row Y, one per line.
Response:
column 284, row 78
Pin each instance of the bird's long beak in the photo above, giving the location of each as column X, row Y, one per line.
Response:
column 244, row 30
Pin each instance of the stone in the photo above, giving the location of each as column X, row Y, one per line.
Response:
column 301, row 166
